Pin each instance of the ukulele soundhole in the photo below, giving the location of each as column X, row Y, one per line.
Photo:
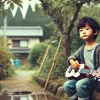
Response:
column 76, row 70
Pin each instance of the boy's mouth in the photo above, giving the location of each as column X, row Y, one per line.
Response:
column 84, row 36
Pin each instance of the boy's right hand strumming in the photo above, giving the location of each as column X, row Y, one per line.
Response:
column 74, row 63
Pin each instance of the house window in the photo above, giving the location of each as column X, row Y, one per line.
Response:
column 23, row 43
column 16, row 43
column 20, row 43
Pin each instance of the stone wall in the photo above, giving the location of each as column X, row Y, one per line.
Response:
column 58, row 90
column 53, row 87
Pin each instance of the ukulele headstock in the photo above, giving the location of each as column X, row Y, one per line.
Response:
column 96, row 74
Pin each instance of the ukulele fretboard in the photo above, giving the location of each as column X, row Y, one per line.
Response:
column 85, row 71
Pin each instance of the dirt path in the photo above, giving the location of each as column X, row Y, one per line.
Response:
column 22, row 81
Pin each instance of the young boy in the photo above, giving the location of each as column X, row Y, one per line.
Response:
column 89, row 54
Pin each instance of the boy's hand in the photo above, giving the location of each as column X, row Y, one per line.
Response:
column 74, row 63
column 89, row 75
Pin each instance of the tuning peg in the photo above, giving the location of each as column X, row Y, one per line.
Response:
column 95, row 78
column 99, row 79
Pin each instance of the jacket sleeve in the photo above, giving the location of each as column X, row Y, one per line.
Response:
column 76, row 55
column 97, row 58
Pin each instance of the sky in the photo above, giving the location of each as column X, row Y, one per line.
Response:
column 25, row 4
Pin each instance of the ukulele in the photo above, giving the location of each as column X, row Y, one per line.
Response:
column 81, row 72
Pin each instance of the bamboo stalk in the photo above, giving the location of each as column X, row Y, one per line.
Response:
column 47, row 50
column 45, row 97
column 52, row 64
column 36, row 97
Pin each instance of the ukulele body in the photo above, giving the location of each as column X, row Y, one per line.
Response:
column 75, row 73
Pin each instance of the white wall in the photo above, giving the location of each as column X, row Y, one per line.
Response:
column 33, row 42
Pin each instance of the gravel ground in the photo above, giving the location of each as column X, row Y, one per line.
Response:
column 22, row 81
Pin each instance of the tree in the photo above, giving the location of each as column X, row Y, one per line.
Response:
column 59, row 12
column 9, row 17
column 35, row 18
column 9, row 2
column 18, row 19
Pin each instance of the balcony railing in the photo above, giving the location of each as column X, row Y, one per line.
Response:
column 19, row 50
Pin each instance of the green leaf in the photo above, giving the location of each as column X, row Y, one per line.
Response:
column 18, row 1
column 19, row 4
column 12, row 6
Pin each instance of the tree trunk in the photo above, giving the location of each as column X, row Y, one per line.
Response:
column 67, row 46
column 67, row 40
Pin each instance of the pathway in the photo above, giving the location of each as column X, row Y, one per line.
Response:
column 22, row 81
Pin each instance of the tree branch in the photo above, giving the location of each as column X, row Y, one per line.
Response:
column 51, row 13
column 74, row 18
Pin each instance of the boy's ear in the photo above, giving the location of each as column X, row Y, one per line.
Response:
column 96, row 32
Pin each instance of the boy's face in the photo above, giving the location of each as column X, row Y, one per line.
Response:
column 86, row 33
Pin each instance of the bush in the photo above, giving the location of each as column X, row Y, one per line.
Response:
column 5, row 55
column 36, row 51
column 10, row 71
column 60, row 65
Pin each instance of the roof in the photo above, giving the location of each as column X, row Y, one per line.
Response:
column 22, row 31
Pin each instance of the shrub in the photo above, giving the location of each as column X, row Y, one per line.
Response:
column 36, row 52
column 10, row 71
column 5, row 55
column 60, row 65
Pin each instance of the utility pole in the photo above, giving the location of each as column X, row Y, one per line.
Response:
column 5, row 27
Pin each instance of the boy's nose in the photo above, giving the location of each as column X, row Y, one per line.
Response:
column 84, row 32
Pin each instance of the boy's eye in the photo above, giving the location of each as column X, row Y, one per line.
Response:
column 87, row 28
column 80, row 30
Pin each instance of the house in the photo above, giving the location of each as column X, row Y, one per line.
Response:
column 20, row 40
